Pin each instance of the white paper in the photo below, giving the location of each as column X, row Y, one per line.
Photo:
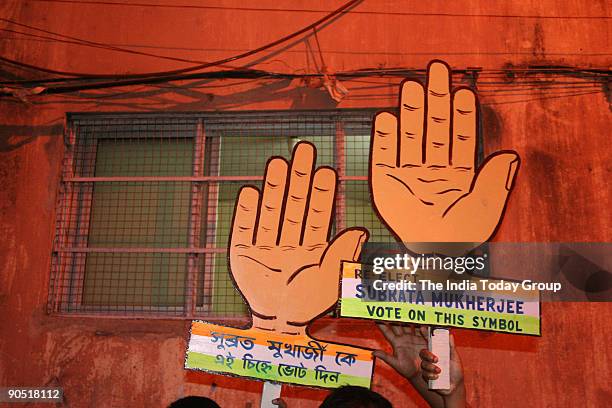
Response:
column 271, row 391
column 439, row 345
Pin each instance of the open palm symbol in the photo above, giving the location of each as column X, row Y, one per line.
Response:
column 281, row 256
column 423, row 179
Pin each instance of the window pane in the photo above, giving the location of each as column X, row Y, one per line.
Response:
column 144, row 157
column 129, row 147
column 357, row 130
column 139, row 215
column 129, row 281
column 246, row 155
column 357, row 152
column 225, row 300
column 359, row 211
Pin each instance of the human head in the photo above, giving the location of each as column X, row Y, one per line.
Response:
column 194, row 402
column 355, row 397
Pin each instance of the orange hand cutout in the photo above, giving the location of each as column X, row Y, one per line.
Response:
column 422, row 167
column 280, row 254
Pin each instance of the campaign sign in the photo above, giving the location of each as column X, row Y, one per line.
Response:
column 276, row 357
column 471, row 302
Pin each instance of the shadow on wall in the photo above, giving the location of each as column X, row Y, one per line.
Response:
column 13, row 137
column 200, row 97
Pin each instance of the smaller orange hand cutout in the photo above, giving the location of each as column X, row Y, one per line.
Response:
column 280, row 254
column 424, row 181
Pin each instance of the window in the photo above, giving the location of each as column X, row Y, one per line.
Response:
column 146, row 201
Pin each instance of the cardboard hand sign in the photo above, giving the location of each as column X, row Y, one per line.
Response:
column 423, row 176
column 288, row 271
column 280, row 253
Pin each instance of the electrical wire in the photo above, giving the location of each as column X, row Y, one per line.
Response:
column 598, row 77
column 302, row 10
column 349, row 52
column 154, row 76
column 77, row 41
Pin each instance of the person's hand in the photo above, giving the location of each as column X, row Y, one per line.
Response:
column 280, row 254
column 430, row 371
column 279, row 402
column 423, row 179
column 407, row 342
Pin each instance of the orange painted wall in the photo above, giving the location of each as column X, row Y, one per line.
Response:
column 562, row 192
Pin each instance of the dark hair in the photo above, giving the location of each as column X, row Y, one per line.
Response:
column 194, row 402
column 355, row 397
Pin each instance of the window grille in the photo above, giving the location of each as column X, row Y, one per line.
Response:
column 146, row 200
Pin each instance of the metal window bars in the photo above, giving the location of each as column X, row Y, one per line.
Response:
column 146, row 200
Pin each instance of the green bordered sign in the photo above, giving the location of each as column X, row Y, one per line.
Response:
column 470, row 303
column 276, row 357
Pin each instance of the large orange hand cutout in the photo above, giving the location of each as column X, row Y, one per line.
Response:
column 422, row 167
column 280, row 253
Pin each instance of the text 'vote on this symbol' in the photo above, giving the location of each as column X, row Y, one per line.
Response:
column 502, row 306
